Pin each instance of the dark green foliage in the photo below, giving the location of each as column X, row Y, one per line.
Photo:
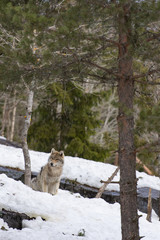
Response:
column 69, row 128
column 81, row 233
column 23, row 29
column 147, row 127
column 66, row 53
column 111, row 146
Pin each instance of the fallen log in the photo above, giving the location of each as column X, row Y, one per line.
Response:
column 14, row 219
column 90, row 192
column 9, row 143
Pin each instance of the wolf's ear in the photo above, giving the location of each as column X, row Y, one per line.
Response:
column 53, row 150
column 61, row 153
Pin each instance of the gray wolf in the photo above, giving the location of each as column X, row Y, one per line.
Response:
column 48, row 179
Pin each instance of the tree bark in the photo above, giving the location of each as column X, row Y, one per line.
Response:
column 27, row 177
column 13, row 116
column 127, row 155
column 4, row 115
column 8, row 127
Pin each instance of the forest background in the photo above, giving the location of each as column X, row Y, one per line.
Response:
column 62, row 50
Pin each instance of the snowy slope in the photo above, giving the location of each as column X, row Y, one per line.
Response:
column 66, row 214
column 84, row 171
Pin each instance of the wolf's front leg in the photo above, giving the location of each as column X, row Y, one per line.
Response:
column 44, row 187
column 53, row 188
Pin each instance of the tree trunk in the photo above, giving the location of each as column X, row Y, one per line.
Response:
column 13, row 116
column 27, row 178
column 8, row 127
column 127, row 156
column 149, row 206
column 4, row 115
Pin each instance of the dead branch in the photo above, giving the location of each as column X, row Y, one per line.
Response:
column 104, row 39
column 116, row 159
column 149, row 206
column 138, row 161
column 101, row 190
column 149, row 82
column 109, row 71
column 150, row 72
column 114, row 182
column 146, row 169
column 148, row 145
column 103, row 79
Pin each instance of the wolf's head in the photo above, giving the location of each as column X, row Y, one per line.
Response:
column 56, row 159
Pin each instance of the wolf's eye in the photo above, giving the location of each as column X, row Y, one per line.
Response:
column 51, row 164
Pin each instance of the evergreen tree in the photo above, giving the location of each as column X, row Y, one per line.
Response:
column 66, row 120
column 22, row 44
column 147, row 129
column 98, row 41
column 96, row 34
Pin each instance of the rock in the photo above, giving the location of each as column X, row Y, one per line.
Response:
column 14, row 219
column 16, row 174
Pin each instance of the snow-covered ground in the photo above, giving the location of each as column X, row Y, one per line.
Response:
column 67, row 215
column 82, row 170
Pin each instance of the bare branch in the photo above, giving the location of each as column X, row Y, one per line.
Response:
column 149, row 82
column 146, row 74
column 146, row 169
column 109, row 71
column 105, row 40
column 148, row 145
column 101, row 190
column 149, row 206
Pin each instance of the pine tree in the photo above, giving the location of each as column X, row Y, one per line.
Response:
column 93, row 41
column 21, row 44
column 96, row 34
column 147, row 129
column 65, row 119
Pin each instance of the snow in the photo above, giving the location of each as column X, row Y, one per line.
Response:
column 3, row 138
column 84, row 171
column 67, row 214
